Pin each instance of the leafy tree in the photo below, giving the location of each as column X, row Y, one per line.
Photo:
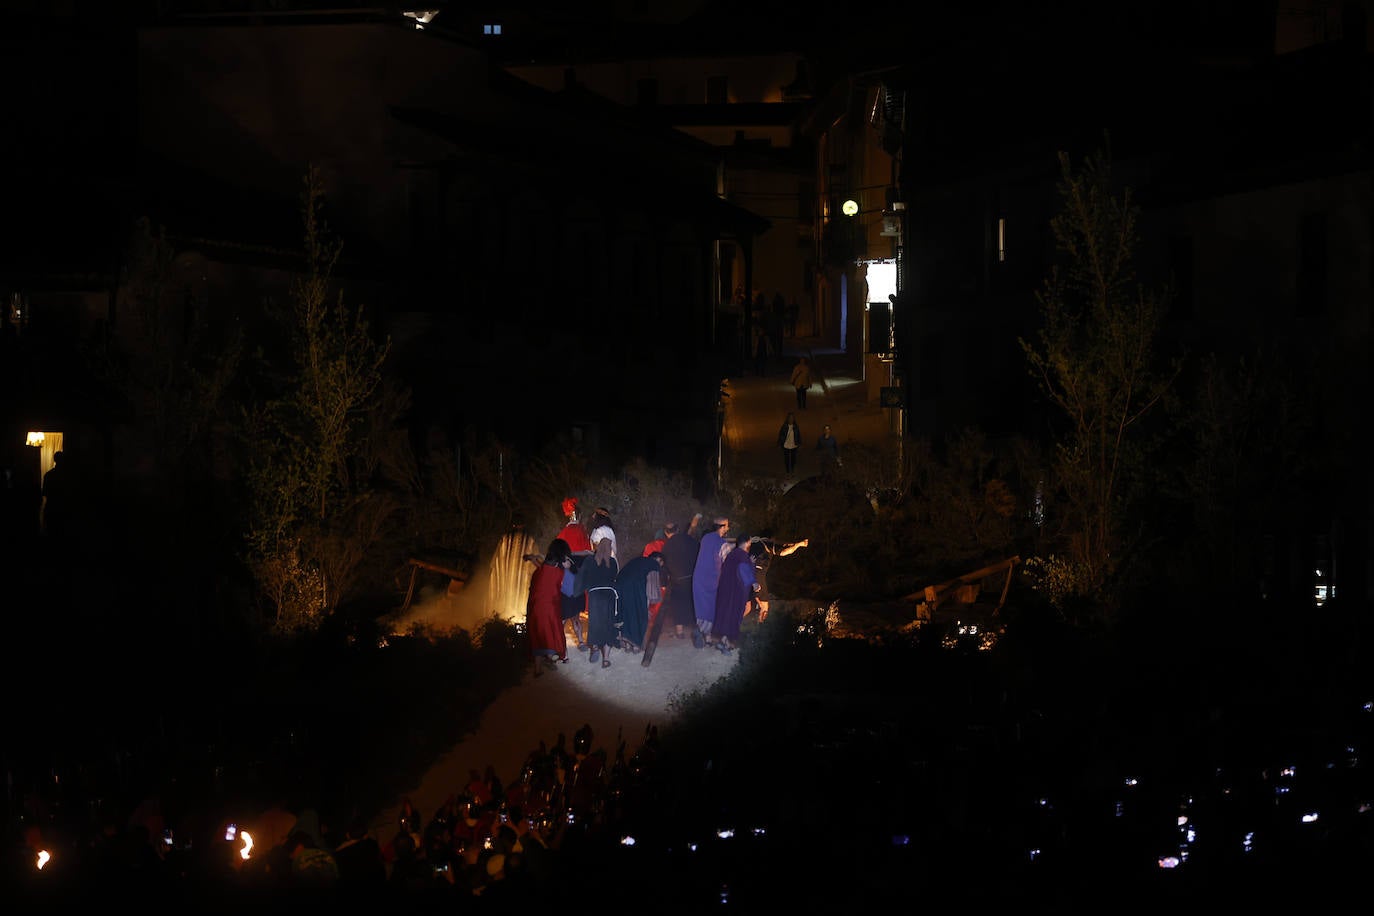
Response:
column 319, row 443
column 1095, row 358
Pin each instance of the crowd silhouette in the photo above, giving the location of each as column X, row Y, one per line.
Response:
column 503, row 842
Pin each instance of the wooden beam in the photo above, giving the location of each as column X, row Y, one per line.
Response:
column 935, row 595
column 417, row 564
column 435, row 567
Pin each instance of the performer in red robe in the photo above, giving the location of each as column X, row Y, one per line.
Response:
column 544, row 608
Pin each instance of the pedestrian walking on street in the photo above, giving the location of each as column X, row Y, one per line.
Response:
column 801, row 380
column 829, row 447
column 776, row 323
column 789, row 440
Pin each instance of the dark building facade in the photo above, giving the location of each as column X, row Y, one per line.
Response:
column 1248, row 152
column 519, row 247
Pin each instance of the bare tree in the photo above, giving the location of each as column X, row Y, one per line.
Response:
column 314, row 446
column 1095, row 358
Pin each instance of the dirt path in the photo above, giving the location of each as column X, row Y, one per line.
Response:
column 622, row 700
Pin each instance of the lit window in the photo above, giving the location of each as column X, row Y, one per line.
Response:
column 491, row 29
column 1001, row 240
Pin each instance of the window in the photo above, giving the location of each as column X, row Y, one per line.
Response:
column 1001, row 240
column 491, row 28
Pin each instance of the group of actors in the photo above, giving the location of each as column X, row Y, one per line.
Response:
column 699, row 583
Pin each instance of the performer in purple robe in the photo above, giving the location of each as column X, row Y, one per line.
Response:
column 705, row 576
column 737, row 587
